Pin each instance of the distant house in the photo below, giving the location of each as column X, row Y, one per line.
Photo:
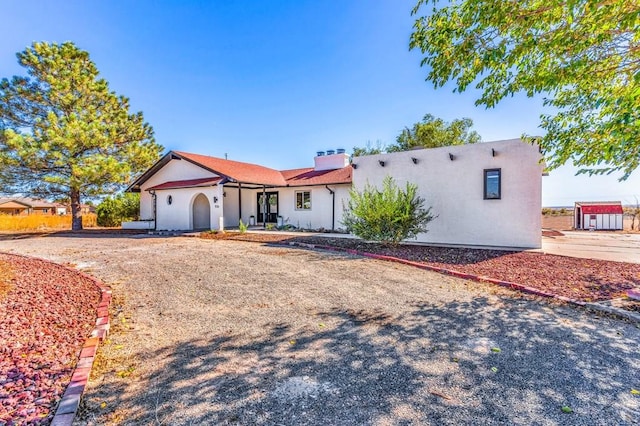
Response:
column 485, row 194
column 86, row 209
column 24, row 206
column 598, row 215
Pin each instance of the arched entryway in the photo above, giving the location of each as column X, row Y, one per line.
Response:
column 201, row 212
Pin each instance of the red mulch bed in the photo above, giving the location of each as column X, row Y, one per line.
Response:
column 586, row 280
column 46, row 313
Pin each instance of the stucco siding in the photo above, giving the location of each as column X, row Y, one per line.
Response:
column 179, row 215
column 455, row 191
column 172, row 171
column 321, row 213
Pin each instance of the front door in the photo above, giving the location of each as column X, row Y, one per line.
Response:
column 271, row 207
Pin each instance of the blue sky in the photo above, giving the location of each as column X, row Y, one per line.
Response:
column 272, row 82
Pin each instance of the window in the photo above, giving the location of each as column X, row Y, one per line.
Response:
column 303, row 200
column 492, row 184
column 45, row 210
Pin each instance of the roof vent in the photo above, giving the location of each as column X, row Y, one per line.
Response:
column 340, row 151
column 320, row 153
column 331, row 151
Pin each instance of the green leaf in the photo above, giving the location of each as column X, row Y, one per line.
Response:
column 566, row 409
column 583, row 59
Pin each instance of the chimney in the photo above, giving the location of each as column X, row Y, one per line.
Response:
column 332, row 160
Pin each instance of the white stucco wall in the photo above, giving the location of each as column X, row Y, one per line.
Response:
column 320, row 215
column 172, row 171
column 178, row 215
column 454, row 190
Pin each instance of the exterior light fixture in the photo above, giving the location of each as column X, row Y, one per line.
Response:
column 415, row 160
column 493, row 152
column 215, row 199
column 451, row 157
column 381, row 163
column 355, row 166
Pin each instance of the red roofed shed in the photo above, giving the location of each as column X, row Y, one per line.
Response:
column 605, row 215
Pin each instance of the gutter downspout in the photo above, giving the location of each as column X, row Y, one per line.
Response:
column 239, row 202
column 333, row 208
column 155, row 211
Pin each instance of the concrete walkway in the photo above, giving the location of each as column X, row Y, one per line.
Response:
column 595, row 245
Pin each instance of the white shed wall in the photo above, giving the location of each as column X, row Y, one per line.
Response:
column 603, row 221
column 454, row 190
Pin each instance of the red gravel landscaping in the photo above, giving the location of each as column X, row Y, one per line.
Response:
column 46, row 313
column 586, row 280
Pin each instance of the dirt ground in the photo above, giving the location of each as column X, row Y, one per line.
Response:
column 229, row 332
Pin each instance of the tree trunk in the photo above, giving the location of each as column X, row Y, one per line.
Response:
column 76, row 210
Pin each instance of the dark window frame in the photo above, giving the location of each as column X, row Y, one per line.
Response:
column 485, row 175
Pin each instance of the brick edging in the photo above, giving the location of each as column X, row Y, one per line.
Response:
column 452, row 272
column 68, row 405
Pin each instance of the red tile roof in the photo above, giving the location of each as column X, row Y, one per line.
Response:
column 190, row 183
column 309, row 176
column 601, row 209
column 236, row 170
column 243, row 173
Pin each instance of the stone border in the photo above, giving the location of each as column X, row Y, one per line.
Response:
column 68, row 405
column 600, row 307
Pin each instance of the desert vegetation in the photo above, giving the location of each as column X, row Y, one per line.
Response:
column 42, row 222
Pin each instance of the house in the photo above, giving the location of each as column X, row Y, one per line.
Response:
column 24, row 206
column 598, row 215
column 185, row 191
column 486, row 194
column 86, row 209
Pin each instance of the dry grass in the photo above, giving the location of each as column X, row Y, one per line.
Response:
column 42, row 222
column 6, row 275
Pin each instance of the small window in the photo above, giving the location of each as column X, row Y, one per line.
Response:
column 169, row 199
column 303, row 200
column 45, row 210
column 492, row 184
column 592, row 217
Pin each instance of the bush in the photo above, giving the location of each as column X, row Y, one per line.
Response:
column 389, row 215
column 122, row 207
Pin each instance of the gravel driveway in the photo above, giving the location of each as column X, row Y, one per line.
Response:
column 226, row 332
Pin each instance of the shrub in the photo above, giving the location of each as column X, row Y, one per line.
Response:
column 122, row 207
column 388, row 215
column 243, row 227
